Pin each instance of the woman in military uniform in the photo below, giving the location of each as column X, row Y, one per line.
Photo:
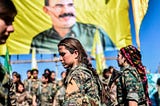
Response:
column 80, row 84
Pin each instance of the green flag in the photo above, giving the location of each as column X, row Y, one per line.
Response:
column 7, row 62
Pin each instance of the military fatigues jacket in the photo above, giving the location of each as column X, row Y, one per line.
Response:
column 4, row 86
column 130, row 87
column 23, row 99
column 80, row 88
column 45, row 94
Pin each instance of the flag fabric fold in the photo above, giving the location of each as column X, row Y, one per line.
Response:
column 98, row 54
column 34, row 61
column 139, row 8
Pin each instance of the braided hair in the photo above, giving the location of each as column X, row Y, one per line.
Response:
column 133, row 57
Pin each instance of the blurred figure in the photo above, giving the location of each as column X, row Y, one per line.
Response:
column 53, row 77
column 35, row 82
column 23, row 98
column 29, row 74
column 14, row 73
column 45, row 92
column 12, row 91
column 16, row 78
column 155, row 98
column 132, row 88
column 47, row 70
column 63, row 74
column 60, row 89
column 27, row 82
column 110, row 80
column 35, row 74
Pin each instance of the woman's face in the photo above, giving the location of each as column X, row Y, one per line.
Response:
column 53, row 75
column 68, row 60
column 20, row 88
column 15, row 79
column 120, row 59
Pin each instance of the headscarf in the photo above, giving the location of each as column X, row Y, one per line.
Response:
column 133, row 57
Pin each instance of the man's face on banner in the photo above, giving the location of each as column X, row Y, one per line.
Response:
column 5, row 29
column 62, row 13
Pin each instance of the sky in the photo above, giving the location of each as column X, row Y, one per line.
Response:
column 149, row 38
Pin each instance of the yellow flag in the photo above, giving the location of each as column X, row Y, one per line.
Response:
column 98, row 54
column 111, row 15
column 139, row 10
column 34, row 61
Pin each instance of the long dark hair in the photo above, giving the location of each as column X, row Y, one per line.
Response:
column 7, row 9
column 17, row 85
column 72, row 44
column 133, row 57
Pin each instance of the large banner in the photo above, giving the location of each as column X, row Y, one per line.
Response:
column 109, row 17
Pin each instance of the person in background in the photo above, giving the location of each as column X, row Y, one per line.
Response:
column 35, row 82
column 63, row 74
column 61, row 81
column 60, row 89
column 12, row 90
column 53, row 77
column 27, row 81
column 45, row 92
column 110, row 80
column 23, row 98
column 132, row 87
column 80, row 84
column 63, row 17
column 13, row 74
column 47, row 70
column 155, row 98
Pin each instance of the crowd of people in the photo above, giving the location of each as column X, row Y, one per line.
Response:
column 80, row 84
column 33, row 90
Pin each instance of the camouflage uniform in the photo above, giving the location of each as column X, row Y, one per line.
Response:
column 4, row 83
column 35, row 83
column 23, row 99
column 81, row 88
column 27, row 84
column 32, row 87
column 45, row 94
column 59, row 97
column 110, row 85
column 12, row 93
column 130, row 87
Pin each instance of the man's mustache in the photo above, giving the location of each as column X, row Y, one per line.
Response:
column 66, row 14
